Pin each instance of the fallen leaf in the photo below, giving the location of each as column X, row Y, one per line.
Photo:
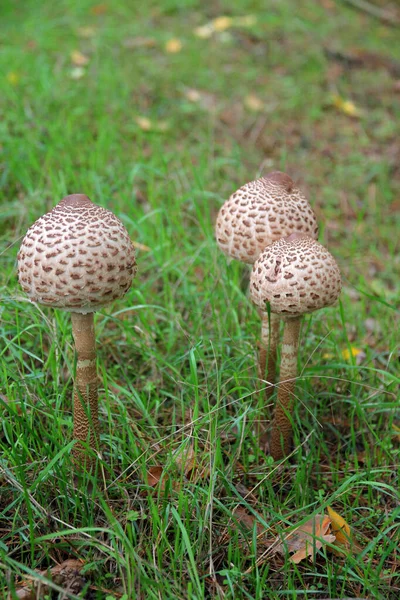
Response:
column 154, row 475
column 77, row 73
column 352, row 351
column 346, row 106
column 347, row 353
column 206, row 100
column 245, row 21
column 79, row 59
column 139, row 42
column 306, row 539
column 191, row 463
column 147, row 125
column 204, row 31
column 397, row 434
column 140, row 246
column 242, row 516
column 13, row 78
column 341, row 530
column 99, row 9
column 66, row 574
column 222, row 23
column 86, row 32
column 173, row 46
column 254, row 103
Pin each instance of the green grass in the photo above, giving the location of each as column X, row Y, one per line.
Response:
column 177, row 355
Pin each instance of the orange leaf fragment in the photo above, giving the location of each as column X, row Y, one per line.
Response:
column 306, row 539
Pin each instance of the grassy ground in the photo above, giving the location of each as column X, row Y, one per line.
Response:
column 183, row 495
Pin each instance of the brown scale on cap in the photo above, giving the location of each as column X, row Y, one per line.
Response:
column 296, row 275
column 261, row 212
column 77, row 257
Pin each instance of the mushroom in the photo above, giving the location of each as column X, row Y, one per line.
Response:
column 293, row 276
column 78, row 257
column 256, row 215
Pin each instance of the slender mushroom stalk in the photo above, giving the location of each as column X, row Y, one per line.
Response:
column 295, row 275
column 85, row 401
column 281, row 433
column 257, row 214
column 268, row 350
column 78, row 257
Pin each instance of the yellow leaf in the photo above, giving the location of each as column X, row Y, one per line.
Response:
column 254, row 103
column 79, row 59
column 147, row 125
column 341, row 529
column 173, row 46
column 347, row 353
column 86, row 32
column 144, row 123
column 13, row 78
column 204, row 31
column 397, row 430
column 245, row 21
column 346, row 106
column 222, row 23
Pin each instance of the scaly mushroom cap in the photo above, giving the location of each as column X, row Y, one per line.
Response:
column 77, row 257
column 261, row 212
column 296, row 275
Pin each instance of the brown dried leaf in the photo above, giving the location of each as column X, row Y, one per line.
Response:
column 99, row 9
column 191, row 465
column 79, row 59
column 66, row 575
column 154, row 475
column 306, row 539
column 139, row 42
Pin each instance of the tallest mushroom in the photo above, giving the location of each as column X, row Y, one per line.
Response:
column 257, row 214
column 78, row 257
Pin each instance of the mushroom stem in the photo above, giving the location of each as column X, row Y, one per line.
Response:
column 269, row 345
column 86, row 421
column 281, row 433
column 267, row 368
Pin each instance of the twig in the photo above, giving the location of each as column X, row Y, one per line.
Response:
column 384, row 15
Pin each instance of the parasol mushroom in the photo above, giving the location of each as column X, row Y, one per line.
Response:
column 293, row 276
column 78, row 257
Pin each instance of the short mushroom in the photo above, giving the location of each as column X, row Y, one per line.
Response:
column 293, row 276
column 78, row 257
column 256, row 215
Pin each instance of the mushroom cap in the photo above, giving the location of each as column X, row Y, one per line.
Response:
column 261, row 212
column 296, row 275
column 77, row 257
